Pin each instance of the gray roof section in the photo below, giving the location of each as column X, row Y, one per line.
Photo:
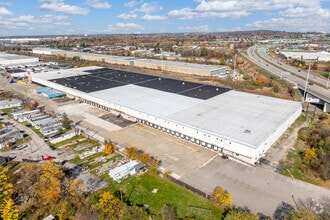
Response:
column 242, row 117
column 6, row 56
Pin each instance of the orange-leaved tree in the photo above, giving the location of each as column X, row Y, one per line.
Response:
column 109, row 147
column 49, row 186
column 221, row 198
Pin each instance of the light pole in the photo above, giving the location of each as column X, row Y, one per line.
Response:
column 307, row 77
column 328, row 81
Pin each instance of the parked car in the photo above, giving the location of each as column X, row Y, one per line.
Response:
column 49, row 158
column 19, row 147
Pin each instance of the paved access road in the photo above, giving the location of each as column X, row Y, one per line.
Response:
column 260, row 189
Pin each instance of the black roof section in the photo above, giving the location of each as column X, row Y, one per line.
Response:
column 105, row 78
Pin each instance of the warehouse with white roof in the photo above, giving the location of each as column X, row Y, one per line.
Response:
column 236, row 124
column 7, row 59
column 164, row 65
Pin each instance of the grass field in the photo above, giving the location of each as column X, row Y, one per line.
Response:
column 138, row 190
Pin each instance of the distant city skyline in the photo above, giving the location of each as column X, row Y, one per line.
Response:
column 66, row 17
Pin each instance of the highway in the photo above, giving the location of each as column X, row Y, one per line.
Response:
column 315, row 86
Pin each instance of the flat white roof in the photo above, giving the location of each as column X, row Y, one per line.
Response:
column 321, row 56
column 242, row 117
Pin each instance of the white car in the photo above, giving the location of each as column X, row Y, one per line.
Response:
column 20, row 147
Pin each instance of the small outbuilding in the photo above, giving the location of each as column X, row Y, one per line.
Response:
column 126, row 169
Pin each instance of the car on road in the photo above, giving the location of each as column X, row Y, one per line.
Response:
column 310, row 83
column 48, row 158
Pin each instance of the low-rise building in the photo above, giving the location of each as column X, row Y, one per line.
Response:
column 10, row 103
column 126, row 169
column 9, row 135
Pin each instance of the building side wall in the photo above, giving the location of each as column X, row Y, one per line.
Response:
column 267, row 143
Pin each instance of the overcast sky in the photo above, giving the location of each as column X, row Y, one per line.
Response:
column 62, row 17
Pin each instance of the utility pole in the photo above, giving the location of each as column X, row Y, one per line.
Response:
column 307, row 77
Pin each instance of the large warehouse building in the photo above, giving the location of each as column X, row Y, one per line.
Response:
column 171, row 66
column 237, row 124
column 13, row 59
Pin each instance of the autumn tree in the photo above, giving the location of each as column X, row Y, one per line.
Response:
column 131, row 152
column 109, row 147
column 7, row 207
column 221, row 198
column 6, row 187
column 309, row 154
column 49, row 187
column 144, row 157
column 10, row 212
column 109, row 205
column 261, row 80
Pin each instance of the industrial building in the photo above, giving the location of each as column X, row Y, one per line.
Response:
column 164, row 65
column 306, row 56
column 13, row 59
column 235, row 124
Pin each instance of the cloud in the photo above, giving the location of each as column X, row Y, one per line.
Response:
column 185, row 13
column 98, row 4
column 188, row 13
column 5, row 12
column 30, row 22
column 201, row 28
column 119, row 27
column 300, row 18
column 305, row 12
column 250, row 5
column 59, row 6
column 131, row 4
column 130, row 15
column 148, row 8
column 148, row 17
column 290, row 24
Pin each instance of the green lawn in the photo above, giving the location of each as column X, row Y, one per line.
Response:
column 138, row 190
column 74, row 140
column 325, row 74
column 8, row 110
